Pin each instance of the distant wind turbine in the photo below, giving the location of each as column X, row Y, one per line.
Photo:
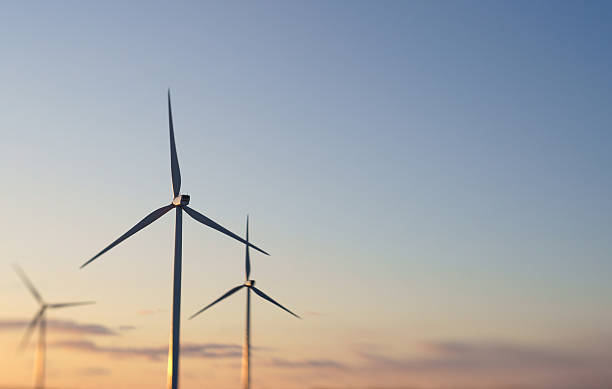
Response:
column 40, row 319
column 249, row 285
column 179, row 203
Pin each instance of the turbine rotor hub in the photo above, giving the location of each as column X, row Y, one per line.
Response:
column 249, row 283
column 181, row 200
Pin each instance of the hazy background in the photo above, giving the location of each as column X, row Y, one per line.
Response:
column 432, row 180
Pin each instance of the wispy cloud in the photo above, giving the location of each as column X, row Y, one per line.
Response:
column 366, row 387
column 497, row 365
column 455, row 355
column 188, row 350
column 64, row 326
column 307, row 363
column 460, row 365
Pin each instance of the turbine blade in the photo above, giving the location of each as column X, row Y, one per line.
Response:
column 150, row 218
column 247, row 259
column 208, row 222
column 63, row 305
column 174, row 165
column 265, row 296
column 27, row 283
column 30, row 328
column 229, row 293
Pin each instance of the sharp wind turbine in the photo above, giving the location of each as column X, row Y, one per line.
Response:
column 40, row 320
column 249, row 285
column 179, row 203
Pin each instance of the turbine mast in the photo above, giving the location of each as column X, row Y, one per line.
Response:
column 246, row 346
column 175, row 343
column 41, row 352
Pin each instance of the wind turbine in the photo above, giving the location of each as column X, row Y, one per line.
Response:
column 40, row 319
column 179, row 203
column 249, row 285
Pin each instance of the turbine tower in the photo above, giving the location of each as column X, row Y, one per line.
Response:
column 249, row 285
column 40, row 319
column 179, row 203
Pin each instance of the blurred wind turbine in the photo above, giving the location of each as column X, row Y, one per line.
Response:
column 179, row 203
column 40, row 319
column 249, row 285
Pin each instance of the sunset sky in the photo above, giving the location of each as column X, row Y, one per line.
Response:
column 432, row 179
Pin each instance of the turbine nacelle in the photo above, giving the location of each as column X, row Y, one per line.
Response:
column 181, row 200
column 249, row 283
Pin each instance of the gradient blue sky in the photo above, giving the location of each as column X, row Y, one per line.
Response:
column 420, row 171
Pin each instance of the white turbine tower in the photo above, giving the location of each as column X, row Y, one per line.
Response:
column 249, row 285
column 179, row 203
column 40, row 319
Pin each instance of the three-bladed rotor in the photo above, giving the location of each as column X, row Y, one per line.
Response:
column 40, row 314
column 250, row 284
column 179, row 200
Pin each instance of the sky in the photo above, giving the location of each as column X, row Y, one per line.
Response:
column 432, row 180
